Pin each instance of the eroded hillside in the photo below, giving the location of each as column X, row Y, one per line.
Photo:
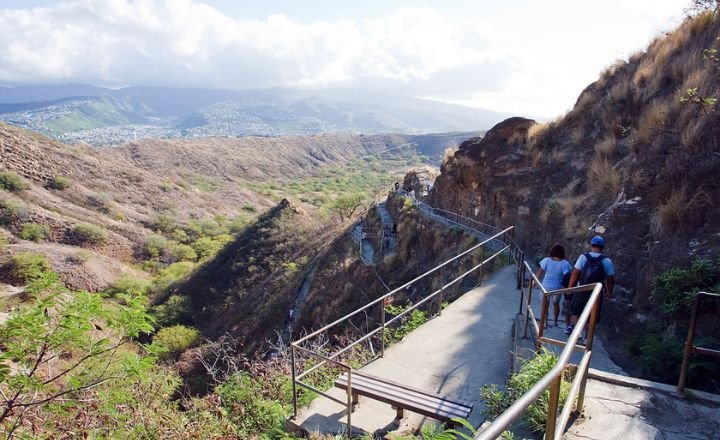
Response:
column 635, row 160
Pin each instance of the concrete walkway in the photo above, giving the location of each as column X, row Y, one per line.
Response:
column 619, row 408
column 454, row 354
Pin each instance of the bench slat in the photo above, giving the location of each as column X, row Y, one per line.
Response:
column 399, row 393
column 422, row 402
column 417, row 390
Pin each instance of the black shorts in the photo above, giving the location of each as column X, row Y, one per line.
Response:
column 580, row 300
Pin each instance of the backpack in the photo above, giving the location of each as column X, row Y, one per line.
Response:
column 593, row 271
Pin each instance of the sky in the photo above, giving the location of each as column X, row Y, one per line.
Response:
column 529, row 58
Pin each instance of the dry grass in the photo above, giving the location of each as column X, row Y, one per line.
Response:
column 536, row 131
column 644, row 72
column 670, row 214
column 577, row 136
column 603, row 176
column 637, row 179
column 652, row 121
column 584, row 102
column 606, row 148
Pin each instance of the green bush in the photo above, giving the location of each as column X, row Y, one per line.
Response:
column 155, row 246
column 176, row 309
column 99, row 202
column 12, row 182
column 90, row 234
column 3, row 242
column 128, row 284
column 497, row 401
column 27, row 267
column 253, row 408
column 58, row 182
column 163, row 222
column 10, row 211
column 176, row 339
column 674, row 290
column 34, row 232
column 181, row 252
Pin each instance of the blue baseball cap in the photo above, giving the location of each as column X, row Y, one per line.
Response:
column 597, row 241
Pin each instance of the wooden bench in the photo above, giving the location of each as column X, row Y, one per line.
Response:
column 403, row 397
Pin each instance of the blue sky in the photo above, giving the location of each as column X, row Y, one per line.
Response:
column 519, row 56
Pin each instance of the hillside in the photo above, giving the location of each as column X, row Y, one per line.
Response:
column 109, row 117
column 172, row 193
column 635, row 160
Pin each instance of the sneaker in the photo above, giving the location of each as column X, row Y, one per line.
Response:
column 569, row 329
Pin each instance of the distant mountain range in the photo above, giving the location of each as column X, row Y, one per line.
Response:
column 99, row 116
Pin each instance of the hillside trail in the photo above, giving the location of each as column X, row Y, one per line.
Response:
column 298, row 304
column 389, row 239
column 367, row 252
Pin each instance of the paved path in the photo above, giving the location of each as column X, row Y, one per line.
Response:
column 627, row 409
column 387, row 224
column 453, row 354
column 367, row 252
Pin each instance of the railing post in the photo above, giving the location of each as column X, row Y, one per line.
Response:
column 349, row 402
column 294, row 386
column 440, row 296
column 688, row 345
column 527, row 313
column 543, row 315
column 382, row 332
column 553, row 404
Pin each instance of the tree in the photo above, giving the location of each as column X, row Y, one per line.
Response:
column 346, row 205
column 64, row 345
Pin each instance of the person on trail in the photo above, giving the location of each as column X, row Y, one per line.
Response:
column 397, row 186
column 552, row 269
column 591, row 267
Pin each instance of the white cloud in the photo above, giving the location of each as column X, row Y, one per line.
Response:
column 535, row 62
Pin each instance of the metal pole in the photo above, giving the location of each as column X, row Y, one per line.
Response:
column 294, row 386
column 349, row 402
column 527, row 313
column 588, row 347
column 440, row 295
column 382, row 333
column 543, row 315
column 550, row 425
column 688, row 345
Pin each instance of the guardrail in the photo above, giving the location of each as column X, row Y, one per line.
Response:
column 556, row 425
column 333, row 358
column 690, row 347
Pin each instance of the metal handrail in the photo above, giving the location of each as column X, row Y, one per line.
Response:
column 555, row 426
column 690, row 347
column 383, row 324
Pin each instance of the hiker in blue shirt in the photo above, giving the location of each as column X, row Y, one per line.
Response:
column 554, row 267
column 591, row 267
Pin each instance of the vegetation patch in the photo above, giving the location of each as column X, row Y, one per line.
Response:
column 12, row 182
column 530, row 373
column 26, row 267
column 90, row 234
column 58, row 183
column 34, row 232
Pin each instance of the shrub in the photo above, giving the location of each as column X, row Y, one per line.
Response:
column 34, row 232
column 252, row 407
column 10, row 211
column 3, row 242
column 58, row 182
column 128, row 284
column 163, row 223
column 249, row 208
column 530, row 373
column 181, row 252
column 27, row 267
column 90, row 234
column 12, row 182
column 176, row 309
column 155, row 246
column 674, row 290
column 175, row 339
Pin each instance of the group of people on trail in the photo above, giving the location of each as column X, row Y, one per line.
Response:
column 591, row 267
